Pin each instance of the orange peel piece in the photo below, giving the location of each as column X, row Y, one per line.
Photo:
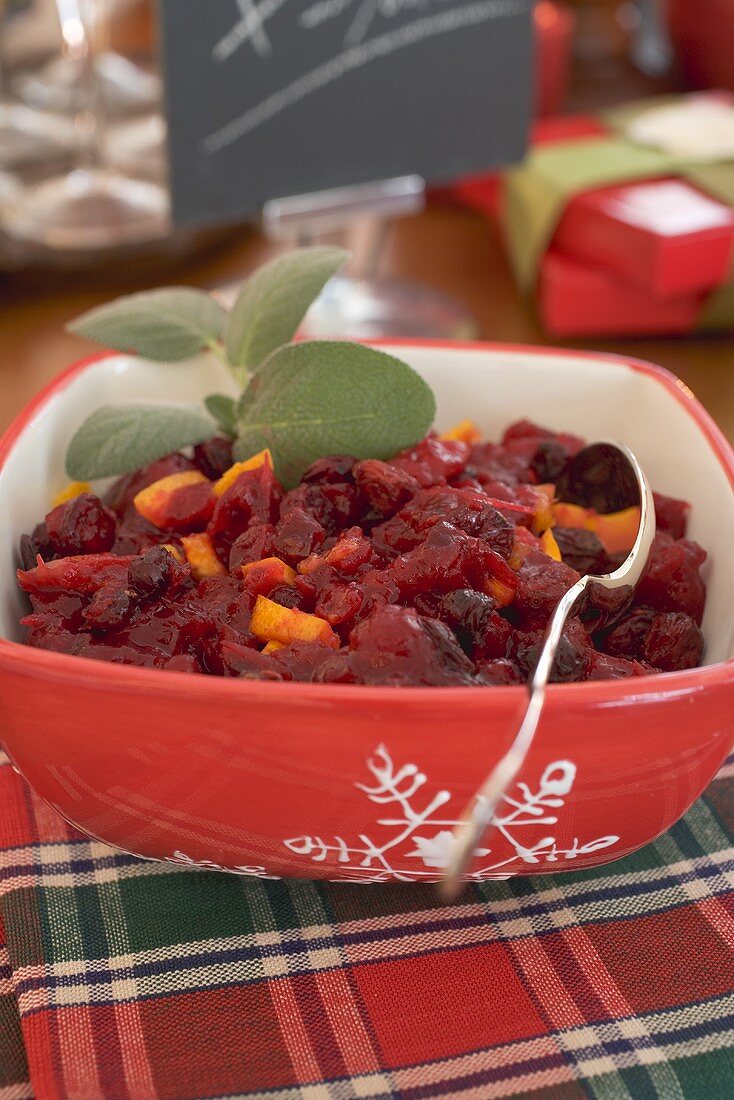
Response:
column 549, row 545
column 229, row 476
column 543, row 515
column 570, row 515
column 202, row 557
column 262, row 576
column 616, row 531
column 500, row 592
column 152, row 502
column 272, row 623
column 174, row 552
column 466, row 431
column 73, row 489
column 524, row 542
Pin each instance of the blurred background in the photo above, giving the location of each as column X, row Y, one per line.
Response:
column 640, row 265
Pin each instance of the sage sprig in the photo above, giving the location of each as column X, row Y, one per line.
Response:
column 302, row 400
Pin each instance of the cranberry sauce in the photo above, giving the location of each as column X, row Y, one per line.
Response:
column 438, row 567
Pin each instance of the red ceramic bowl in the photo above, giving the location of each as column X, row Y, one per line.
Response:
column 364, row 783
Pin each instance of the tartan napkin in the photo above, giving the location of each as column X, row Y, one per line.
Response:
column 131, row 980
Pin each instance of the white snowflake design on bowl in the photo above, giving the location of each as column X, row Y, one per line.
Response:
column 207, row 865
column 426, row 836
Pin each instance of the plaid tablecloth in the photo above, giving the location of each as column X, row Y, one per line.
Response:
column 125, row 979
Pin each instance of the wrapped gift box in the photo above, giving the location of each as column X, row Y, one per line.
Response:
column 576, row 300
column 628, row 229
column 665, row 237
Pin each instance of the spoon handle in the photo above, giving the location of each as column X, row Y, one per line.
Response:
column 478, row 816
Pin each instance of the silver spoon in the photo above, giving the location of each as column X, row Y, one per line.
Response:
column 606, row 474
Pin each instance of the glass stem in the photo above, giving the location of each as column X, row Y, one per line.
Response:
column 84, row 25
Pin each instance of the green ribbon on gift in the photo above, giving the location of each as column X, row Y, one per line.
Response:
column 538, row 191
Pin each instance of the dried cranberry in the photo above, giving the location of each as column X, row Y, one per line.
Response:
column 627, row 637
column 499, row 672
column 335, row 505
column 136, row 534
column 671, row 515
column 297, row 536
column 430, row 604
column 350, row 552
column 548, row 460
column 673, row 642
column 386, row 487
column 447, row 559
column 336, row 669
column 466, row 509
column 524, row 649
column 34, row 544
column 214, row 456
column 303, row 661
column 605, row 667
column 580, row 549
column 480, row 629
column 542, row 582
column 28, row 552
column 221, row 600
column 395, row 645
column 527, row 429
column 491, row 466
column 344, row 504
column 81, row 526
column 497, row 531
column 339, row 603
column 333, row 469
column 249, row 664
column 672, row 581
column 573, row 658
column 109, row 608
column 183, row 662
column 287, row 595
column 155, row 572
column 432, row 461
column 604, row 606
column 254, row 544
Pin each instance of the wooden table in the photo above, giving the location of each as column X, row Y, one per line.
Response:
column 454, row 250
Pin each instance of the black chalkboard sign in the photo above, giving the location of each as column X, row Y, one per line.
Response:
column 272, row 98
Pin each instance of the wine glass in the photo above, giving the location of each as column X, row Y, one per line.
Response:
column 125, row 86
column 95, row 205
column 27, row 136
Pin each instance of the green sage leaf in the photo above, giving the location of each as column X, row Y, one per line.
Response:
column 168, row 325
column 222, row 408
column 116, row 439
column 273, row 302
column 322, row 397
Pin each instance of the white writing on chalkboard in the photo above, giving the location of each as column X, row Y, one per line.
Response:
column 251, row 27
column 365, row 12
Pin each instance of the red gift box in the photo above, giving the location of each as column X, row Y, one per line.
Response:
column 578, row 300
column 554, row 27
column 663, row 236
